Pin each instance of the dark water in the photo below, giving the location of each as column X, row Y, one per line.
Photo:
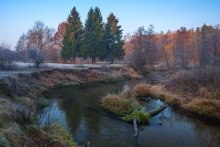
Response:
column 77, row 109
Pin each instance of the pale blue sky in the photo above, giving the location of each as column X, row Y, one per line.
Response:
column 17, row 16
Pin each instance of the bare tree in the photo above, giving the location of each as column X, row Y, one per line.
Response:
column 164, row 46
column 151, row 45
column 7, row 57
column 216, row 43
column 181, row 47
column 21, row 46
column 143, row 49
column 205, row 45
column 39, row 37
column 138, row 56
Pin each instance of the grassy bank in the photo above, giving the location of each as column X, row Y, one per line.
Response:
column 19, row 127
column 21, row 98
column 199, row 106
column 125, row 104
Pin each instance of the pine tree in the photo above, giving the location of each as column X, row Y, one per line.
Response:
column 93, row 35
column 99, row 32
column 66, row 48
column 113, row 39
column 88, row 36
column 108, row 40
column 72, row 36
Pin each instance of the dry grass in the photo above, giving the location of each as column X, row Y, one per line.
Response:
column 141, row 90
column 126, row 108
column 117, row 105
column 158, row 91
column 5, row 110
column 198, row 90
column 10, row 135
column 205, row 107
column 208, row 93
column 50, row 136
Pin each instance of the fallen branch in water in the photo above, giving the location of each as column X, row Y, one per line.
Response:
column 156, row 111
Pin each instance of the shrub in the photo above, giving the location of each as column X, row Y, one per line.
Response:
column 203, row 83
column 141, row 90
column 36, row 56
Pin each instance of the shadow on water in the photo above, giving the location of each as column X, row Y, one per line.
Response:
column 70, row 106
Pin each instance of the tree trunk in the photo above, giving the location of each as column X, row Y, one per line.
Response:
column 74, row 59
column 174, row 60
column 112, row 60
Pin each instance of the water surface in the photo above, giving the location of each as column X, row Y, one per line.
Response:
column 78, row 110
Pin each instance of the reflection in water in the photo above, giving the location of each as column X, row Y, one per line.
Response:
column 78, row 110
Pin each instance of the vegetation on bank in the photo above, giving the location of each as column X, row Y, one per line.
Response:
column 126, row 107
column 206, row 105
column 22, row 99
column 192, row 92
column 203, row 83
column 200, row 89
column 19, row 125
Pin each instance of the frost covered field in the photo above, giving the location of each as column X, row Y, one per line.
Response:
column 21, row 67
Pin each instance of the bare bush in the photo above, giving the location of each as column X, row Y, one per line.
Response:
column 106, row 68
column 36, row 56
column 201, row 82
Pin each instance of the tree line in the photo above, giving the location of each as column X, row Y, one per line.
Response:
column 98, row 40
column 95, row 39
column 177, row 49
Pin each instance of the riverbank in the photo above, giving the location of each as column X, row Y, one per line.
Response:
column 20, row 98
column 204, row 109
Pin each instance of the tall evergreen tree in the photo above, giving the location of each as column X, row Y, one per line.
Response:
column 67, row 40
column 93, row 34
column 113, row 39
column 99, row 32
column 88, row 34
column 72, row 36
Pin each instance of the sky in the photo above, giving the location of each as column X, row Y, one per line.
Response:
column 17, row 16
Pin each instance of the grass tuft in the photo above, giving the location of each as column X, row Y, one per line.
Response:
column 117, row 105
column 141, row 90
column 139, row 115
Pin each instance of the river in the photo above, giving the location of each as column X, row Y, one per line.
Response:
column 78, row 110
